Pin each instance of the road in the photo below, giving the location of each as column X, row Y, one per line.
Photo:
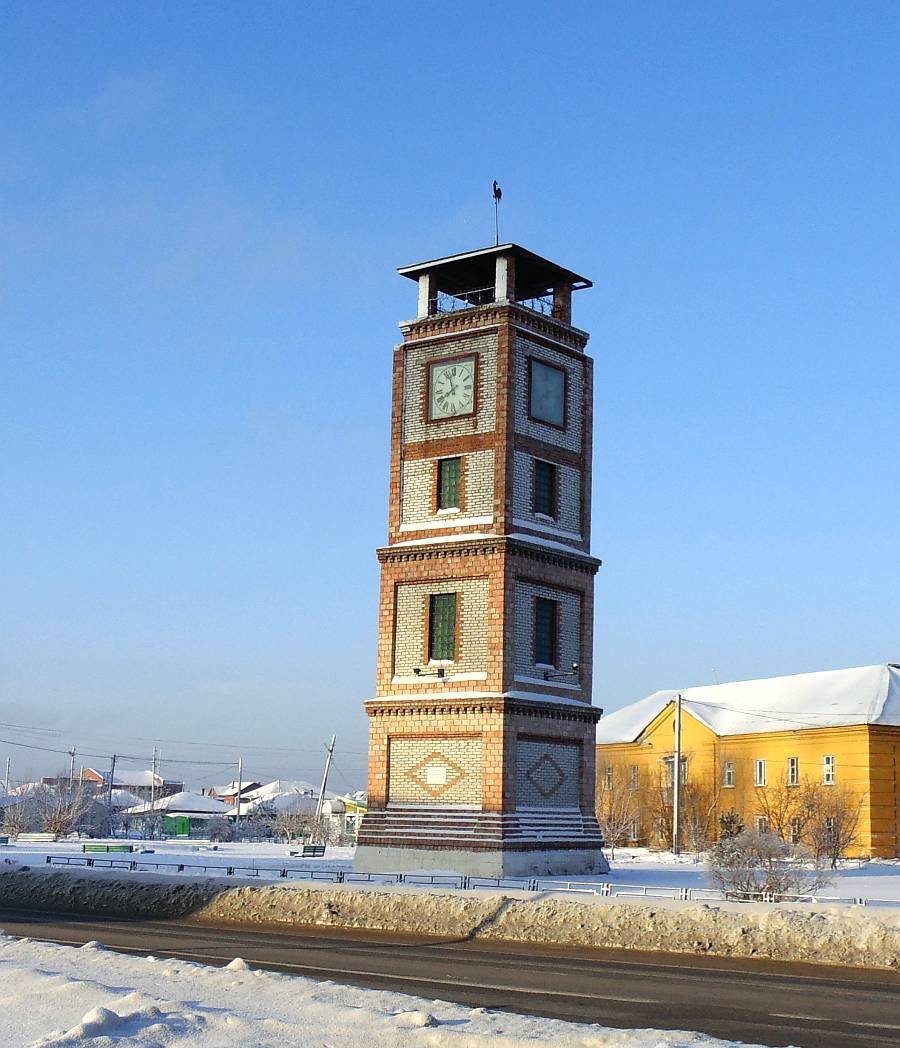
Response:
column 760, row 1002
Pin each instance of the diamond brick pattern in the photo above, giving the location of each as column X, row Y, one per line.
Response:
column 436, row 774
column 545, row 775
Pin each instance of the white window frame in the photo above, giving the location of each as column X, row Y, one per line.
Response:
column 762, row 824
column 609, row 776
column 728, row 775
column 829, row 770
column 635, row 776
column 794, row 829
column 759, row 771
column 793, row 771
column 635, row 830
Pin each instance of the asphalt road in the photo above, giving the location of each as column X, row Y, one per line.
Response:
column 760, row 1002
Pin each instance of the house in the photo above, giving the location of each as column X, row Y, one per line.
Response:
column 181, row 813
column 757, row 748
column 344, row 814
column 229, row 791
column 145, row 784
column 280, row 795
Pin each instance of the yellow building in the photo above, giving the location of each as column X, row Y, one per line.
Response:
column 788, row 754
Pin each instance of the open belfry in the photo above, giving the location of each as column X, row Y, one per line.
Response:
column 481, row 732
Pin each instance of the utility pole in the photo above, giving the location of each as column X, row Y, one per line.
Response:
column 237, row 799
column 153, row 763
column 676, row 782
column 72, row 768
column 321, row 800
column 7, row 775
column 112, row 775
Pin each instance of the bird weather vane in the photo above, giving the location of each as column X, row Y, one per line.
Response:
column 498, row 193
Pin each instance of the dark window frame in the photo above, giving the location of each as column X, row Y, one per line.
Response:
column 443, row 465
column 553, row 500
column 553, row 650
column 434, row 623
column 537, row 418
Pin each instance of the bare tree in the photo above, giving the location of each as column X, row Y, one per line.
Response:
column 834, row 826
column 754, row 864
column 20, row 817
column 617, row 804
column 62, row 806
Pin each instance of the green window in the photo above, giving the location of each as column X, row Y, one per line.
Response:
column 448, row 483
column 545, row 631
column 442, row 627
column 544, row 488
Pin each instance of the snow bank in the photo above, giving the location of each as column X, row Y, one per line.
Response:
column 826, row 935
column 60, row 996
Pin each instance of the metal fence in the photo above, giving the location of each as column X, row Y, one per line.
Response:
column 604, row 889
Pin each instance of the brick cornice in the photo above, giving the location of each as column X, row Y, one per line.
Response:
column 460, row 546
column 493, row 315
column 411, row 706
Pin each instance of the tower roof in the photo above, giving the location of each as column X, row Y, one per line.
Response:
column 535, row 276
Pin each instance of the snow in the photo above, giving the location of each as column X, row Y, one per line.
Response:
column 878, row 879
column 830, row 698
column 65, row 997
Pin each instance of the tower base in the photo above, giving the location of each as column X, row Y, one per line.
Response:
column 532, row 862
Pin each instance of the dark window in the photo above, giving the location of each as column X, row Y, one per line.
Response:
column 544, row 488
column 442, row 627
column 547, row 394
column 545, row 629
column 448, row 483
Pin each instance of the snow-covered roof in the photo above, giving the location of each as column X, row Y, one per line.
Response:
column 124, row 798
column 230, row 788
column 128, row 778
column 185, row 803
column 827, row 699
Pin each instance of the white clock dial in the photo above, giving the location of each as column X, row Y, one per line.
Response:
column 452, row 388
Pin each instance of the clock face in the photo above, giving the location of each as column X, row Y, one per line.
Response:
column 548, row 394
column 451, row 388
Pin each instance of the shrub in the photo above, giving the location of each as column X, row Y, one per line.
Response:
column 750, row 865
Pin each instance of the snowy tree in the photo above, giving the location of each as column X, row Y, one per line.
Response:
column 618, row 804
column 753, row 864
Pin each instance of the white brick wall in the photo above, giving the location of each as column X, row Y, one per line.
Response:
column 445, row 772
column 570, row 438
column 417, row 493
column 569, row 627
column 415, row 424
column 548, row 774
column 569, row 494
column 472, row 621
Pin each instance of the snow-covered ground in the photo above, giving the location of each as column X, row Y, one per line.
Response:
column 68, row 997
column 876, row 880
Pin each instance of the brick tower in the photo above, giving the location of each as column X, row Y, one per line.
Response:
column 481, row 733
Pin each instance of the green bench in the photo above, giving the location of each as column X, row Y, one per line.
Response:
column 107, row 847
column 312, row 851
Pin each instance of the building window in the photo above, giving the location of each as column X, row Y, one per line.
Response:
column 635, row 779
column 759, row 773
column 670, row 771
column 546, row 620
column 828, row 771
column 762, row 824
column 442, row 627
column 795, row 829
column 547, row 393
column 544, row 488
column 609, row 777
column 448, row 483
column 830, row 829
column 728, row 778
column 635, row 830
column 793, row 774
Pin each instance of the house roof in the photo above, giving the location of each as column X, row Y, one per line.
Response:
column 128, row 778
column 827, row 699
column 185, row 803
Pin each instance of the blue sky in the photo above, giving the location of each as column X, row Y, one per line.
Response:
column 203, row 206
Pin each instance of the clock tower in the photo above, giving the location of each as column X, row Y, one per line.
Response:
column 481, row 731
